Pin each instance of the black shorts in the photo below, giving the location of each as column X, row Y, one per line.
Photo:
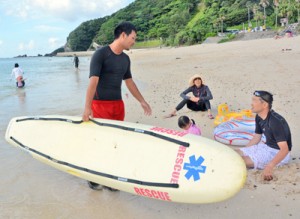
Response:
column 200, row 106
column 22, row 84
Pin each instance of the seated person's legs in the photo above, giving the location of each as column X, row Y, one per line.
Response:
column 181, row 104
column 178, row 107
column 200, row 106
column 249, row 163
column 208, row 108
column 259, row 154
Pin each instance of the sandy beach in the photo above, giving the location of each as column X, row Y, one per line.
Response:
column 232, row 71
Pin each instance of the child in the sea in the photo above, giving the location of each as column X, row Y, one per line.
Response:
column 188, row 125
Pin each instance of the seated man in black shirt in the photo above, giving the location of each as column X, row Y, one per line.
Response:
column 276, row 150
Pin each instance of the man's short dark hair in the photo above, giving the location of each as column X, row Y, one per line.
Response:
column 265, row 96
column 125, row 27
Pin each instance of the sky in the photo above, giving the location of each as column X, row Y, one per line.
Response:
column 35, row 27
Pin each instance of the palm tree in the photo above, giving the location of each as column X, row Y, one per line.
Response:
column 286, row 9
column 264, row 4
column 256, row 13
column 216, row 24
column 298, row 8
column 221, row 19
column 225, row 4
column 290, row 10
column 276, row 3
column 259, row 16
column 248, row 5
column 283, row 9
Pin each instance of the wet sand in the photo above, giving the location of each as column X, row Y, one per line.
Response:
column 30, row 189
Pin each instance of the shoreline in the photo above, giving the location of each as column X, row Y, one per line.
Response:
column 71, row 54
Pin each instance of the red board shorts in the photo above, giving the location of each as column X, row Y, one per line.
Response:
column 108, row 109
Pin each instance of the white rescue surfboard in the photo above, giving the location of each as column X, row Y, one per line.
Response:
column 145, row 160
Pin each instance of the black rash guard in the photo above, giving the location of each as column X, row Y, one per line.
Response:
column 202, row 92
column 111, row 70
column 275, row 128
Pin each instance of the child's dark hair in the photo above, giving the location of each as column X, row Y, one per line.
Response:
column 183, row 121
column 125, row 27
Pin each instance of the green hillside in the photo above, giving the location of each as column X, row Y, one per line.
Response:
column 81, row 38
column 183, row 22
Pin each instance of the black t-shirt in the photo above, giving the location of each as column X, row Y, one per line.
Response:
column 275, row 128
column 111, row 70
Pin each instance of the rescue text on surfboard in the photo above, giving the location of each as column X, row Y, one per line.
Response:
column 168, row 131
column 150, row 193
column 178, row 165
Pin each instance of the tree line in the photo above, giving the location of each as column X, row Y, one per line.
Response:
column 184, row 22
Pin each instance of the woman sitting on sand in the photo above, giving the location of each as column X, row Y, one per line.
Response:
column 200, row 99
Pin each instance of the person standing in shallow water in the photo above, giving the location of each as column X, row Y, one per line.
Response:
column 199, row 101
column 108, row 68
column 17, row 72
column 76, row 61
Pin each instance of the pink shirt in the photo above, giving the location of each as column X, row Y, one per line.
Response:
column 194, row 130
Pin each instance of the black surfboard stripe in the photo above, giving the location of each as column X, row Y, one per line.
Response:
column 143, row 183
column 181, row 143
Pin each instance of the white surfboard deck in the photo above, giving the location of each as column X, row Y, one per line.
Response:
column 144, row 160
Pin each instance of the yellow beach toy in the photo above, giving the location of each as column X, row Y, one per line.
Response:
column 224, row 114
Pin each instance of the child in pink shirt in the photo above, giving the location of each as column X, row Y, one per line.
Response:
column 188, row 125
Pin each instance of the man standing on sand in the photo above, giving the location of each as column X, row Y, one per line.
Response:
column 276, row 151
column 109, row 66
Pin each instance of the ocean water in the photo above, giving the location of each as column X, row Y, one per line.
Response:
column 52, row 86
column 29, row 188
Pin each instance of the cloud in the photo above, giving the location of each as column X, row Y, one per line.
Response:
column 47, row 28
column 54, row 43
column 27, row 46
column 69, row 10
column 18, row 9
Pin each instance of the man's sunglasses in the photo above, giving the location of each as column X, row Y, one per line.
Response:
column 263, row 95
